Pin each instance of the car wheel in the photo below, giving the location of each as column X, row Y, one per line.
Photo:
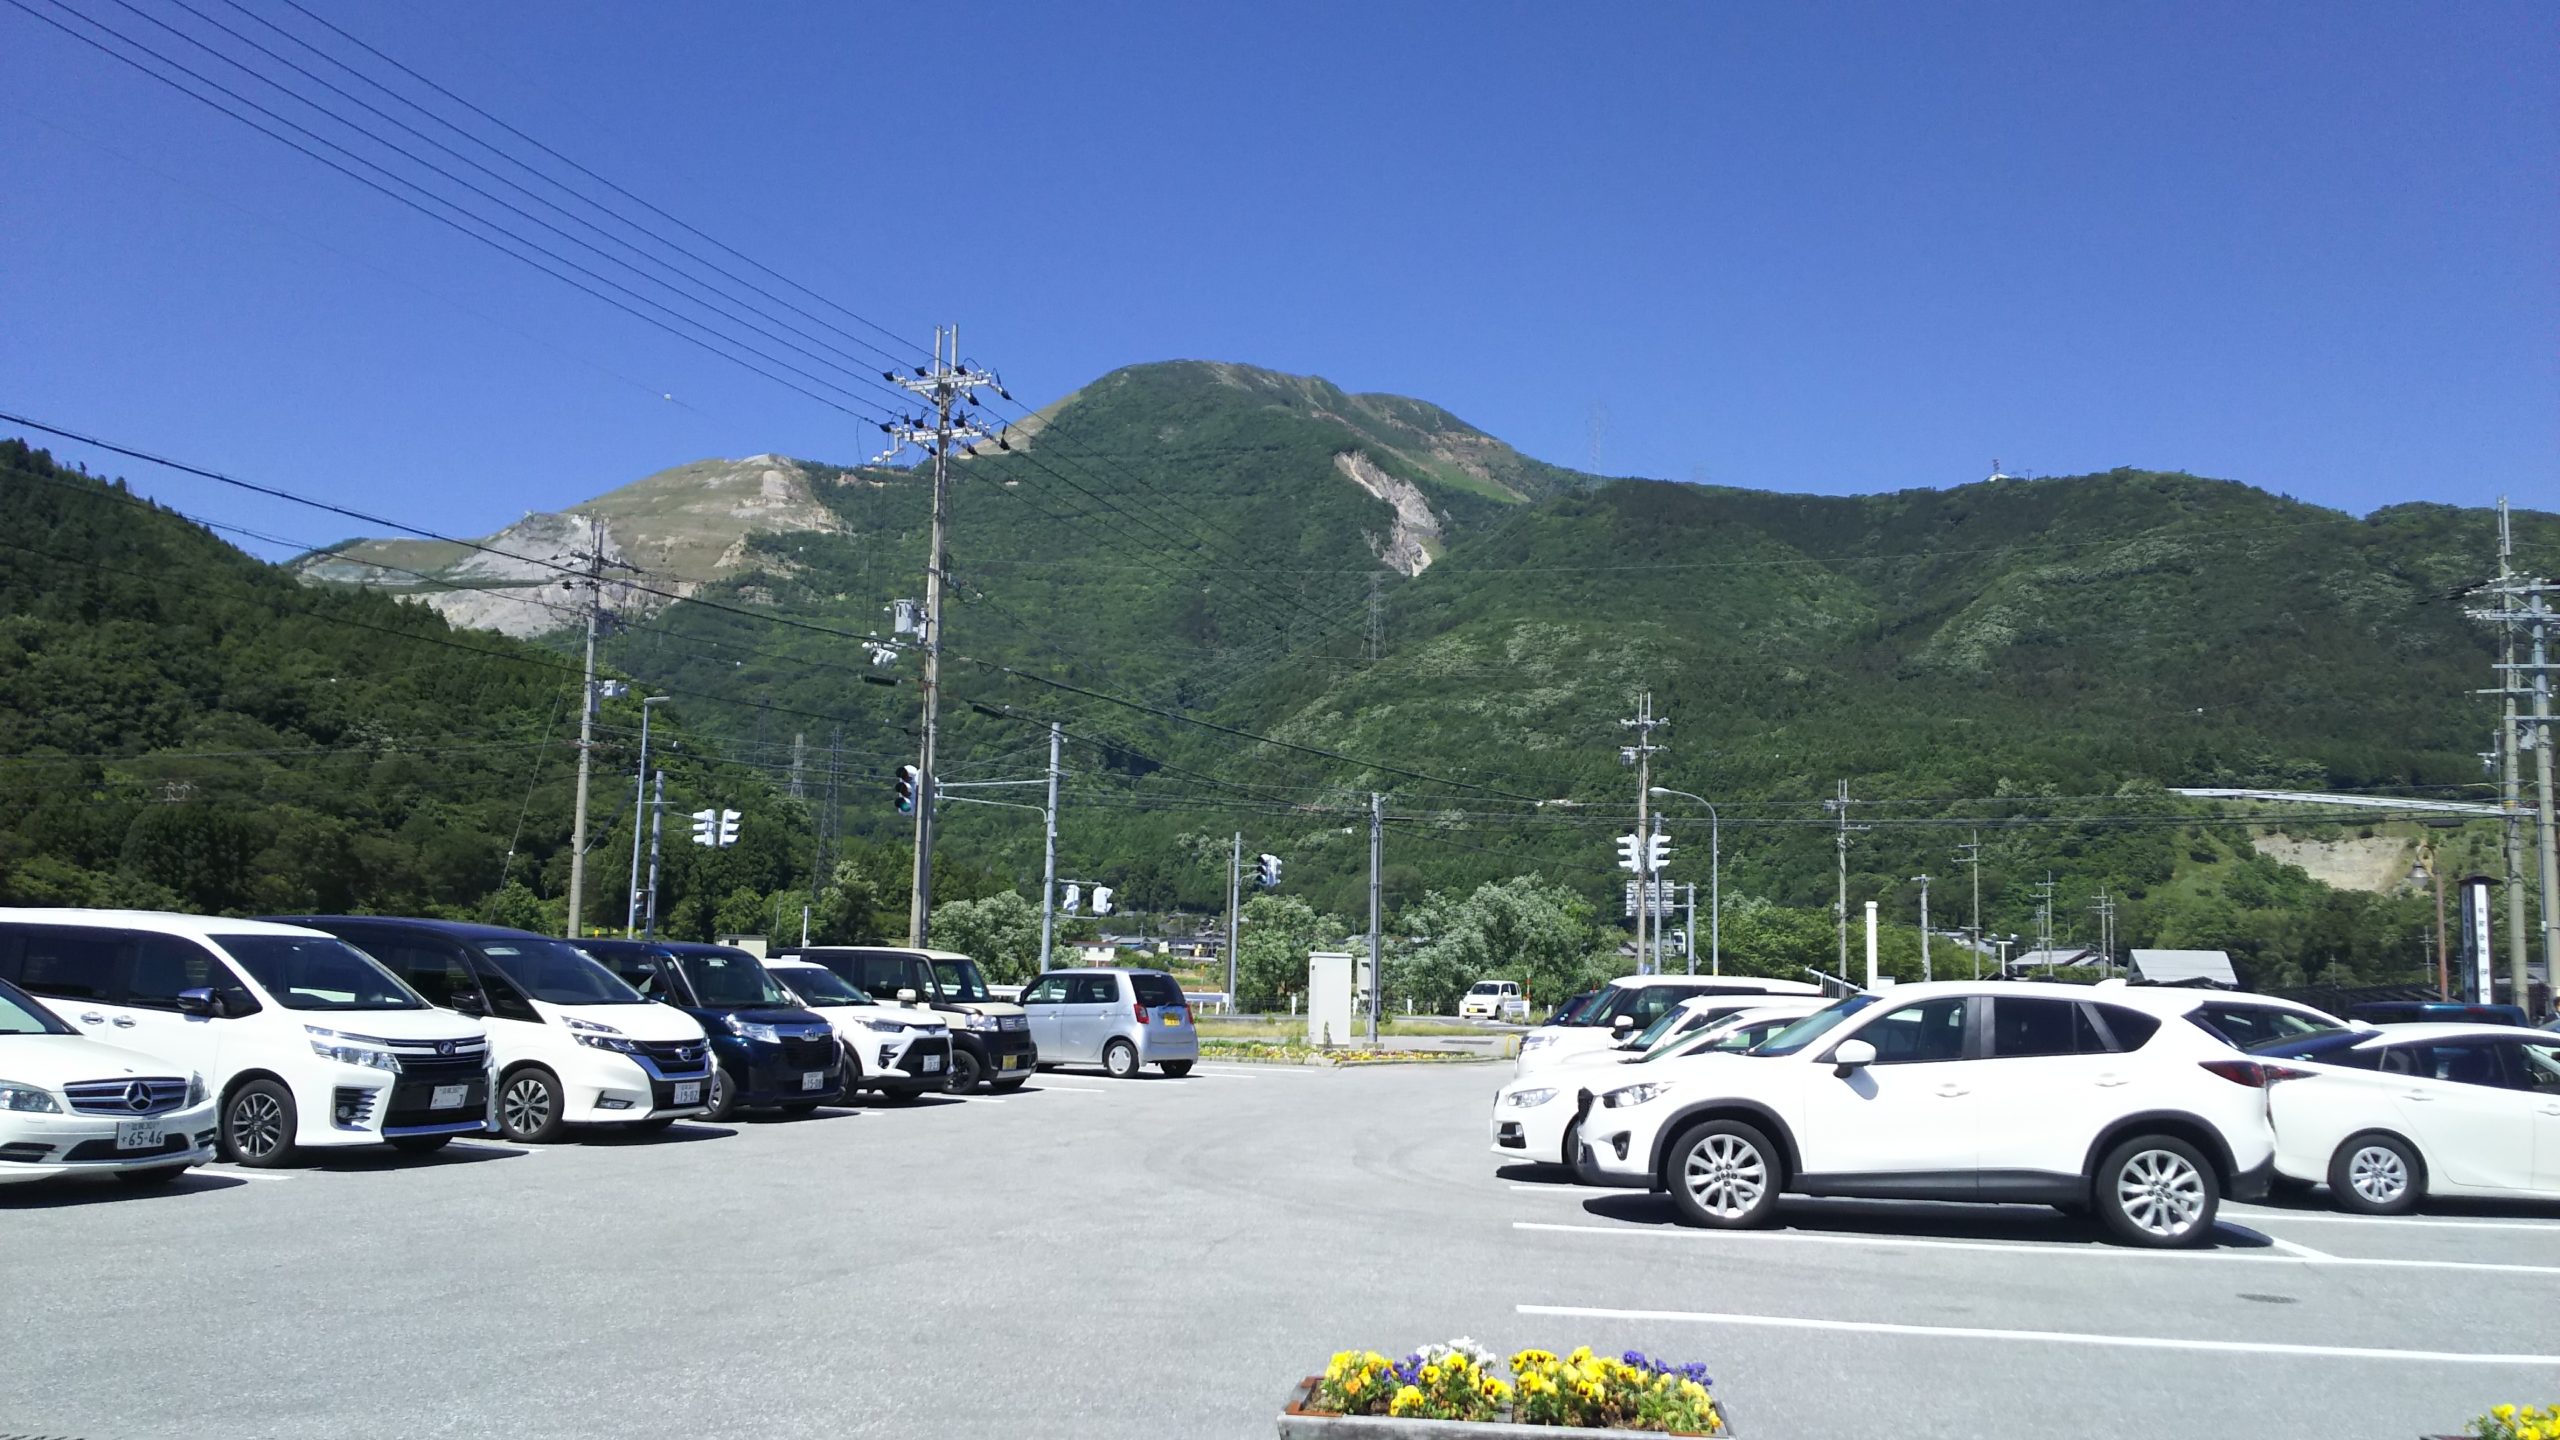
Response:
column 722, row 1102
column 1573, row 1146
column 1175, row 1068
column 1120, row 1059
column 2376, row 1175
column 965, row 1073
column 1723, row 1174
column 529, row 1106
column 258, row 1125
column 419, row 1144
column 2156, row 1191
column 156, row 1175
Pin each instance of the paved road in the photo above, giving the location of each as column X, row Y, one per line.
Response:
column 1160, row 1257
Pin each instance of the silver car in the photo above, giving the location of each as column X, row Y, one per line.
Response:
column 1118, row 1019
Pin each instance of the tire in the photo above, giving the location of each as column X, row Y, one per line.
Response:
column 2158, row 1192
column 1724, row 1175
column 2377, row 1174
column 1573, row 1146
column 419, row 1144
column 723, row 1097
column 258, row 1125
column 1120, row 1059
column 529, row 1106
column 155, row 1176
column 966, row 1072
column 1175, row 1068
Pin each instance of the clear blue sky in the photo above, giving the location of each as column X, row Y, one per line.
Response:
column 1833, row 248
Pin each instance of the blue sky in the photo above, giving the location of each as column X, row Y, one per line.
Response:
column 1816, row 247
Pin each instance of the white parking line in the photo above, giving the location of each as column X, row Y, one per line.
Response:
column 235, row 1173
column 1968, row 1332
column 979, row 1099
column 2422, row 1222
column 2300, row 1254
column 2290, row 1248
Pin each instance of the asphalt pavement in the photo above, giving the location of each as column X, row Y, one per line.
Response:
column 1159, row 1257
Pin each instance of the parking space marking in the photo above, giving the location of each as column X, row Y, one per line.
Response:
column 2422, row 1222
column 1574, row 1192
column 2290, row 1248
column 235, row 1173
column 2300, row 1254
column 2057, row 1337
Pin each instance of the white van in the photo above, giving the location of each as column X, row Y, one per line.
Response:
column 1494, row 1000
column 571, row 1043
column 304, row 1041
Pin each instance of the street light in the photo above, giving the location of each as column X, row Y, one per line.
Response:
column 1715, row 880
column 639, row 804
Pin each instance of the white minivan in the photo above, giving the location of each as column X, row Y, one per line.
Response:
column 303, row 1040
column 571, row 1043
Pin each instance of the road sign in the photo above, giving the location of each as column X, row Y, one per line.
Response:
column 1665, row 896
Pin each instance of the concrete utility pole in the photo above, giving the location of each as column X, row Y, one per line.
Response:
column 639, row 802
column 945, row 386
column 1640, row 755
column 1840, row 908
column 1235, row 882
column 1970, row 854
column 1377, row 851
column 1924, row 928
column 1689, row 929
column 2522, row 608
column 2044, row 917
column 657, row 820
column 1049, row 853
column 592, row 562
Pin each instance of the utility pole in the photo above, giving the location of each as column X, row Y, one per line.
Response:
column 1689, row 930
column 1049, row 854
column 1377, row 977
column 1970, row 854
column 1640, row 755
column 2044, row 917
column 657, row 819
column 1924, row 928
column 2522, row 607
column 1235, row 878
column 944, row 386
column 2105, row 908
column 639, row 802
column 592, row 563
column 1840, row 907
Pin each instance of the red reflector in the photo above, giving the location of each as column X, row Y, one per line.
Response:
column 2240, row 1072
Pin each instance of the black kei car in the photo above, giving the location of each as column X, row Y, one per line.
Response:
column 766, row 1050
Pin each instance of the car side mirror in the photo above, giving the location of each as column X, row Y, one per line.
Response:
column 1853, row 1055
column 469, row 1002
column 906, row 997
column 198, row 1002
column 1623, row 1024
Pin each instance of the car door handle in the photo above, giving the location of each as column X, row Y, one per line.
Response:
column 92, row 1017
column 1951, row 1090
column 2415, row 1095
column 122, row 1022
column 2113, row 1079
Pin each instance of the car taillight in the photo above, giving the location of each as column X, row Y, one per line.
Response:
column 1141, row 1008
column 2239, row 1072
column 2275, row 1073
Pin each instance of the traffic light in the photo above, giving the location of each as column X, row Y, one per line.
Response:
column 906, row 789
column 1074, row 898
column 1101, row 899
column 729, row 828
column 706, row 827
column 1267, row 871
column 1657, row 853
column 1627, row 858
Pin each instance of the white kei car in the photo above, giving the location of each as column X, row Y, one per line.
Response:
column 2388, row 1117
column 2125, row 1102
column 71, row 1106
column 1538, row 1117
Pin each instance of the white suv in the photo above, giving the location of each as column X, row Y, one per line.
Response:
column 1632, row 1004
column 2121, row 1101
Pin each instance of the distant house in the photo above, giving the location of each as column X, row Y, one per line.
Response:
column 2184, row 967
column 2080, row 957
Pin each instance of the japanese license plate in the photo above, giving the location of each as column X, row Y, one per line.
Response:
column 932, row 1064
column 813, row 1079
column 140, row 1134
column 689, row 1092
column 1010, row 1062
column 447, row 1097
column 1173, row 1017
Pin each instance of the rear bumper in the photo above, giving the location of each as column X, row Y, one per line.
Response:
column 2254, row 1182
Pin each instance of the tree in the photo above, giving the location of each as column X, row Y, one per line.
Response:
column 743, row 912
column 1524, row 928
column 1000, row 931
column 848, row 909
column 1273, row 937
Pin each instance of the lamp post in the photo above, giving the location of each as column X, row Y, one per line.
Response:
column 1715, row 882
column 639, row 804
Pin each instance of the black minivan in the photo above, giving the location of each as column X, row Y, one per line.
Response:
column 766, row 1049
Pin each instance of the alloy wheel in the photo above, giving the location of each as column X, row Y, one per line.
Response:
column 525, row 1108
column 257, row 1125
column 2378, row 1174
column 2160, row 1192
column 1725, row 1175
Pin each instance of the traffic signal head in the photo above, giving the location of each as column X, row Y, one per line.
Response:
column 1074, row 898
column 706, row 827
column 1657, row 852
column 906, row 789
column 729, row 827
column 1267, row 871
column 1627, row 847
column 1101, row 899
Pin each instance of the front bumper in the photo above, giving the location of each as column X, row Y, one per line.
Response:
column 359, row 1105
column 1534, row 1133
column 36, row 1147
column 778, row 1073
column 908, row 1065
column 1005, row 1053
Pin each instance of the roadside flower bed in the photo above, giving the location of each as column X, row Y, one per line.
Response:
column 1279, row 1052
column 2517, row 1422
column 1457, row 1381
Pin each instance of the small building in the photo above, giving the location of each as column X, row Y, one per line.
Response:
column 2184, row 967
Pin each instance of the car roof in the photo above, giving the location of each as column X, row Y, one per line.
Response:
column 165, row 922
column 2453, row 1030
column 925, row 952
column 1102, row 970
column 461, row 929
column 1752, row 984
column 2157, row 999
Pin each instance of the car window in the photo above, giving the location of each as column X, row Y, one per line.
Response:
column 818, row 985
column 1156, row 991
column 634, row 968
column 883, row 976
column 319, row 972
column 729, row 979
column 20, row 1014
column 2461, row 1062
column 1801, row 1033
column 1047, row 990
column 2030, row 1025
column 433, row 967
column 2132, row 1028
column 2536, row 1065
column 1930, row 1030
column 2242, row 1026
column 71, row 964
column 1092, row 990
column 556, row 972
column 164, row 965
column 961, row 983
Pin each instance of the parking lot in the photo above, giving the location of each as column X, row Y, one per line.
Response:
column 1163, row 1257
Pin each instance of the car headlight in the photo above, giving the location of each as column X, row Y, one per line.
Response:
column 885, row 1027
column 1536, row 1042
column 14, row 1096
column 1523, row 1099
column 982, row 1022
column 330, row 1045
column 599, row 1037
column 195, row 1091
column 751, row 1030
column 1621, row 1098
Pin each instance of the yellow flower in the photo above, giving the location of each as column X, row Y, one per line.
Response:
column 2505, row 1412
column 1406, row 1402
column 1430, row 1374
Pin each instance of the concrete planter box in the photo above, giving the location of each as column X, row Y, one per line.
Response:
column 1299, row 1423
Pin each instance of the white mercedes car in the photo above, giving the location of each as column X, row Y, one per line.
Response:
column 71, row 1106
column 2387, row 1117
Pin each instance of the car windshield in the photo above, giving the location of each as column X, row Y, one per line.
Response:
column 21, row 1015
column 1652, row 1034
column 1569, row 1009
column 1485, row 987
column 730, row 979
column 960, row 981
column 820, row 986
column 557, row 972
column 1813, row 1027
column 318, row 972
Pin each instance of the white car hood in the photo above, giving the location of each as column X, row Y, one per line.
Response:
column 1568, row 1041
column 412, row 1026
column 54, row 1061
column 656, row 1022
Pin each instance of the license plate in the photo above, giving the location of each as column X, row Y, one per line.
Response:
column 689, row 1093
column 813, row 1079
column 1010, row 1062
column 1173, row 1019
column 932, row 1064
column 447, row 1097
column 140, row 1134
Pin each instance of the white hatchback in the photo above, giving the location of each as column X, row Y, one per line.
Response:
column 71, row 1106
column 2124, row 1102
column 2386, row 1118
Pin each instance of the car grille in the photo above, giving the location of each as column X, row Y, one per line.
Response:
column 913, row 1061
column 157, row 1095
column 674, row 1059
column 809, row 1054
column 444, row 1069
